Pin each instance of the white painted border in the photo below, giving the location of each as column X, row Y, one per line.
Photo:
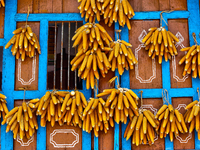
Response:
column 64, row 131
column 33, row 72
column 22, row 142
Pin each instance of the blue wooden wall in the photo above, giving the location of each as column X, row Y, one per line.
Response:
column 8, row 75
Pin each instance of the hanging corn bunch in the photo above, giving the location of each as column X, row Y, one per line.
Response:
column 22, row 120
column 121, row 56
column 191, row 59
column 72, row 108
column 49, row 107
column 117, row 10
column 122, row 102
column 3, row 106
column 91, row 36
column 2, row 3
column 192, row 116
column 91, row 9
column 96, row 116
column 25, row 43
column 171, row 121
column 159, row 42
column 141, row 127
column 91, row 39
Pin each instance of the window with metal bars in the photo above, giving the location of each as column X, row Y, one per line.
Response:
column 60, row 53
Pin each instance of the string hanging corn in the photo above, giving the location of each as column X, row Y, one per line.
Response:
column 90, row 9
column 171, row 121
column 191, row 116
column 122, row 103
column 121, row 56
column 2, row 3
column 22, row 120
column 25, row 43
column 49, row 107
column 142, row 127
column 191, row 59
column 91, row 55
column 161, row 43
column 96, row 116
column 72, row 108
column 117, row 10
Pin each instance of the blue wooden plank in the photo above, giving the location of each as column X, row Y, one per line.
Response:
column 116, row 127
column 194, row 23
column 2, row 42
column 42, row 77
column 166, row 82
column 156, row 15
column 181, row 92
column 8, row 69
column 50, row 17
column 86, row 137
column 125, row 83
column 41, row 136
column 96, row 139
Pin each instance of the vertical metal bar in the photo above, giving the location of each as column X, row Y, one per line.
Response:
column 76, row 69
column 61, row 56
column 55, row 55
column 68, row 61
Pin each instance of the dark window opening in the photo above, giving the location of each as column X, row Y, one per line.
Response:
column 60, row 53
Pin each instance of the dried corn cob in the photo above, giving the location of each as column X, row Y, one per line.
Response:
column 141, row 127
column 90, row 9
column 159, row 42
column 192, row 61
column 117, row 10
column 121, row 56
column 96, row 116
column 22, row 120
column 2, row 3
column 25, row 43
column 171, row 122
column 91, row 39
column 122, row 103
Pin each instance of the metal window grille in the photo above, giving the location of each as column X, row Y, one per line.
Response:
column 60, row 53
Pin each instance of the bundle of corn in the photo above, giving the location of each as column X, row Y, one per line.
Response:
column 117, row 10
column 171, row 121
column 121, row 56
column 2, row 3
column 142, row 127
column 25, row 43
column 3, row 106
column 49, row 107
column 191, row 59
column 159, row 42
column 91, row 9
column 96, row 116
column 122, row 102
column 90, row 56
column 22, row 120
column 91, row 36
column 192, row 116
column 72, row 108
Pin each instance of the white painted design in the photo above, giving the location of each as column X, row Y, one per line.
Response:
column 181, row 39
column 64, row 131
column 141, row 36
column 33, row 72
column 154, row 111
column 22, row 143
column 190, row 134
